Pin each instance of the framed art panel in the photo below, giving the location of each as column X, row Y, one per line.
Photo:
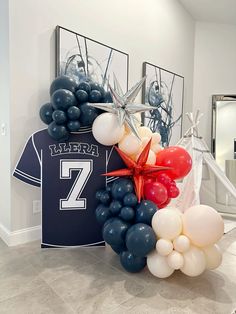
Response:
column 79, row 56
column 164, row 90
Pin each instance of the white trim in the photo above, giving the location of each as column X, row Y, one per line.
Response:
column 20, row 236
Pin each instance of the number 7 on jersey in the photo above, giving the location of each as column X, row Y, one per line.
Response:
column 84, row 167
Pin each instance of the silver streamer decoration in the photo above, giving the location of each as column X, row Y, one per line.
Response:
column 123, row 104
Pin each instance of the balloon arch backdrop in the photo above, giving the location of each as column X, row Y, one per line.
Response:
column 132, row 210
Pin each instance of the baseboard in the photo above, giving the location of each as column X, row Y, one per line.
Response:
column 20, row 236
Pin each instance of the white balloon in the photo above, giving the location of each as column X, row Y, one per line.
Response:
column 144, row 131
column 213, row 256
column 106, row 129
column 156, row 148
column 194, row 262
column 181, row 243
column 175, row 260
column 203, row 225
column 156, row 138
column 158, row 265
column 130, row 144
column 167, row 223
column 164, row 247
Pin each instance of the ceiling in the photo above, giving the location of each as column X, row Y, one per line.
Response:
column 214, row 11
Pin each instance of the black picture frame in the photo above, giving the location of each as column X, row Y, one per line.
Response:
column 121, row 71
column 155, row 119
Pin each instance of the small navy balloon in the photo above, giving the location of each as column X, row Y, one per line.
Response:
column 59, row 117
column 102, row 214
column 121, row 187
column 73, row 113
column 145, row 211
column 58, row 132
column 140, row 239
column 62, row 99
column 132, row 263
column 114, row 232
column 87, row 114
column 46, row 112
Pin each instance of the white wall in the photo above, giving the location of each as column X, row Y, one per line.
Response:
column 214, row 68
column 5, row 203
column 157, row 31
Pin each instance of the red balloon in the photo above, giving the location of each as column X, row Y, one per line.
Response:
column 176, row 158
column 155, row 192
column 173, row 191
column 165, row 204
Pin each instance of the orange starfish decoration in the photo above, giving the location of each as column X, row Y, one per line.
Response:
column 137, row 169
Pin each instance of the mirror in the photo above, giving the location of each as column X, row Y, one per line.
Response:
column 224, row 133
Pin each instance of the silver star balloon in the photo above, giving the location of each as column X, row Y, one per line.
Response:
column 123, row 104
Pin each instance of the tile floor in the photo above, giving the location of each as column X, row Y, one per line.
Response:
column 34, row 280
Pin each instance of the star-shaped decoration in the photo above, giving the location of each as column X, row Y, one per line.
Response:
column 123, row 105
column 137, row 169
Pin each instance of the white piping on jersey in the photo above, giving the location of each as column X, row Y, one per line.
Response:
column 26, row 174
column 73, row 246
column 36, row 150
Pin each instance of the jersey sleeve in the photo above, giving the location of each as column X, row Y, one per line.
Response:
column 28, row 168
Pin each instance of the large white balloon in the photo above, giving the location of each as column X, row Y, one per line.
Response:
column 194, row 262
column 181, row 243
column 158, row 265
column 106, row 129
column 175, row 260
column 130, row 144
column 213, row 256
column 164, row 247
column 202, row 225
column 167, row 223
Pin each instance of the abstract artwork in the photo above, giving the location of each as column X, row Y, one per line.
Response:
column 81, row 57
column 164, row 90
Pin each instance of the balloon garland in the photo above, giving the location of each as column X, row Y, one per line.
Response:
column 132, row 210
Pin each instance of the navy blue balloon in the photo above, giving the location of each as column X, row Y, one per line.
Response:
column 98, row 194
column 114, row 232
column 58, row 132
column 46, row 112
column 85, row 86
column 121, row 187
column 105, row 198
column 107, row 97
column 64, row 82
column 62, row 99
column 96, row 86
column 140, row 239
column 102, row 214
column 59, row 116
column 118, row 248
column 145, row 211
column 132, row 263
column 108, row 188
column 73, row 113
column 73, row 125
column 95, row 96
column 82, row 96
column 130, row 199
column 87, row 115
column 127, row 213
column 115, row 207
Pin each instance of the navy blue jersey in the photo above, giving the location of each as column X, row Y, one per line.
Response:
column 69, row 174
